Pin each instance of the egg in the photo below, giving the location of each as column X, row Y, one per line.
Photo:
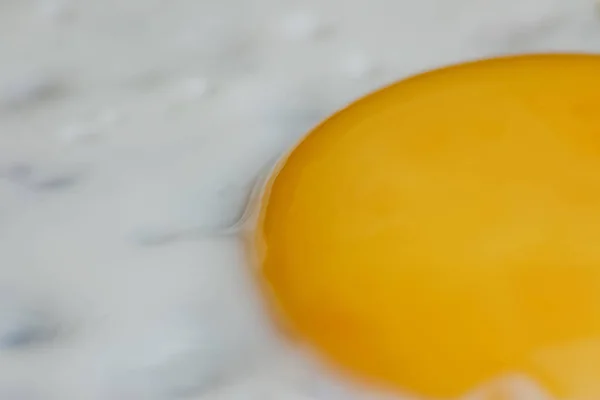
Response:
column 444, row 232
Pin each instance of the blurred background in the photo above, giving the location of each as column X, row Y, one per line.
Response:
column 125, row 122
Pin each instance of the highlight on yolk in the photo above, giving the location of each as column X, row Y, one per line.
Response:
column 445, row 231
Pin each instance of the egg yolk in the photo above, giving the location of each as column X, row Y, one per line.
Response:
column 445, row 231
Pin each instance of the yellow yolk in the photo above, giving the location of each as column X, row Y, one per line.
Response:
column 445, row 231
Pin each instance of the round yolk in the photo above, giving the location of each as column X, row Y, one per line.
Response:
column 445, row 231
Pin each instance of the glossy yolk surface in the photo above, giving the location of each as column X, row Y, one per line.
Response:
column 445, row 231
